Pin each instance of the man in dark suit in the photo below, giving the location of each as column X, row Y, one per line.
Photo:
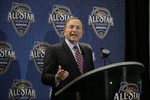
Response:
column 60, row 62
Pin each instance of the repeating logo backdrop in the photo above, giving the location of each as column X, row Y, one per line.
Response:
column 27, row 27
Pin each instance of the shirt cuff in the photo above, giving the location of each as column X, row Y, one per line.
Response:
column 56, row 82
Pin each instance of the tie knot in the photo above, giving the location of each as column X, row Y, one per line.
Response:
column 75, row 47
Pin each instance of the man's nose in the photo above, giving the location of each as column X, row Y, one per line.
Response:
column 74, row 29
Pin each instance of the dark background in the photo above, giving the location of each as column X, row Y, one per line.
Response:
column 137, row 38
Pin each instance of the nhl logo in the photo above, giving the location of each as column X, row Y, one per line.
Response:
column 128, row 91
column 21, row 17
column 58, row 17
column 6, row 56
column 101, row 20
column 22, row 90
column 37, row 55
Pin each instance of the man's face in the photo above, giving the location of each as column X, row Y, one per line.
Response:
column 73, row 31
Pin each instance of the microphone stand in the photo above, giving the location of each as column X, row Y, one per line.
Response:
column 104, row 54
column 105, row 60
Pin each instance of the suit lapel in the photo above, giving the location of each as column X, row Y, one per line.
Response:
column 70, row 56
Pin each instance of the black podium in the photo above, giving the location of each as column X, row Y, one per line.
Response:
column 118, row 81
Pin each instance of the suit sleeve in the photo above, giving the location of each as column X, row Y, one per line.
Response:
column 50, row 67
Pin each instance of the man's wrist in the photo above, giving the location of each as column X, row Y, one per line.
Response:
column 56, row 81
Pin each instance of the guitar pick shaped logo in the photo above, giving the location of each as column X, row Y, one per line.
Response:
column 21, row 17
column 101, row 20
column 22, row 90
column 6, row 56
column 128, row 91
column 37, row 55
column 58, row 17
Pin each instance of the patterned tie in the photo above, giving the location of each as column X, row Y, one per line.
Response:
column 79, row 59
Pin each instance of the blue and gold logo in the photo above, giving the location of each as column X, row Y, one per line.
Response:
column 38, row 53
column 22, row 90
column 58, row 17
column 101, row 20
column 6, row 56
column 21, row 17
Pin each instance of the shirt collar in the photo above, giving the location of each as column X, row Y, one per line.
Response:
column 70, row 44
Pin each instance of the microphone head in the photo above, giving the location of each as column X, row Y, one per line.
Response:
column 104, row 53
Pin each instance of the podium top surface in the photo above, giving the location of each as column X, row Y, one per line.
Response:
column 130, row 64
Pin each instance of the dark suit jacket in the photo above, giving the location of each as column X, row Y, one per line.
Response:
column 60, row 54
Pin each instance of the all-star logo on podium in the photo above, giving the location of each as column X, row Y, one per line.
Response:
column 21, row 17
column 128, row 91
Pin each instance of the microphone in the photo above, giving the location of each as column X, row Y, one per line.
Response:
column 104, row 54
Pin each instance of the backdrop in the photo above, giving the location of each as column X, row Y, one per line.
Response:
column 27, row 27
column 137, row 38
